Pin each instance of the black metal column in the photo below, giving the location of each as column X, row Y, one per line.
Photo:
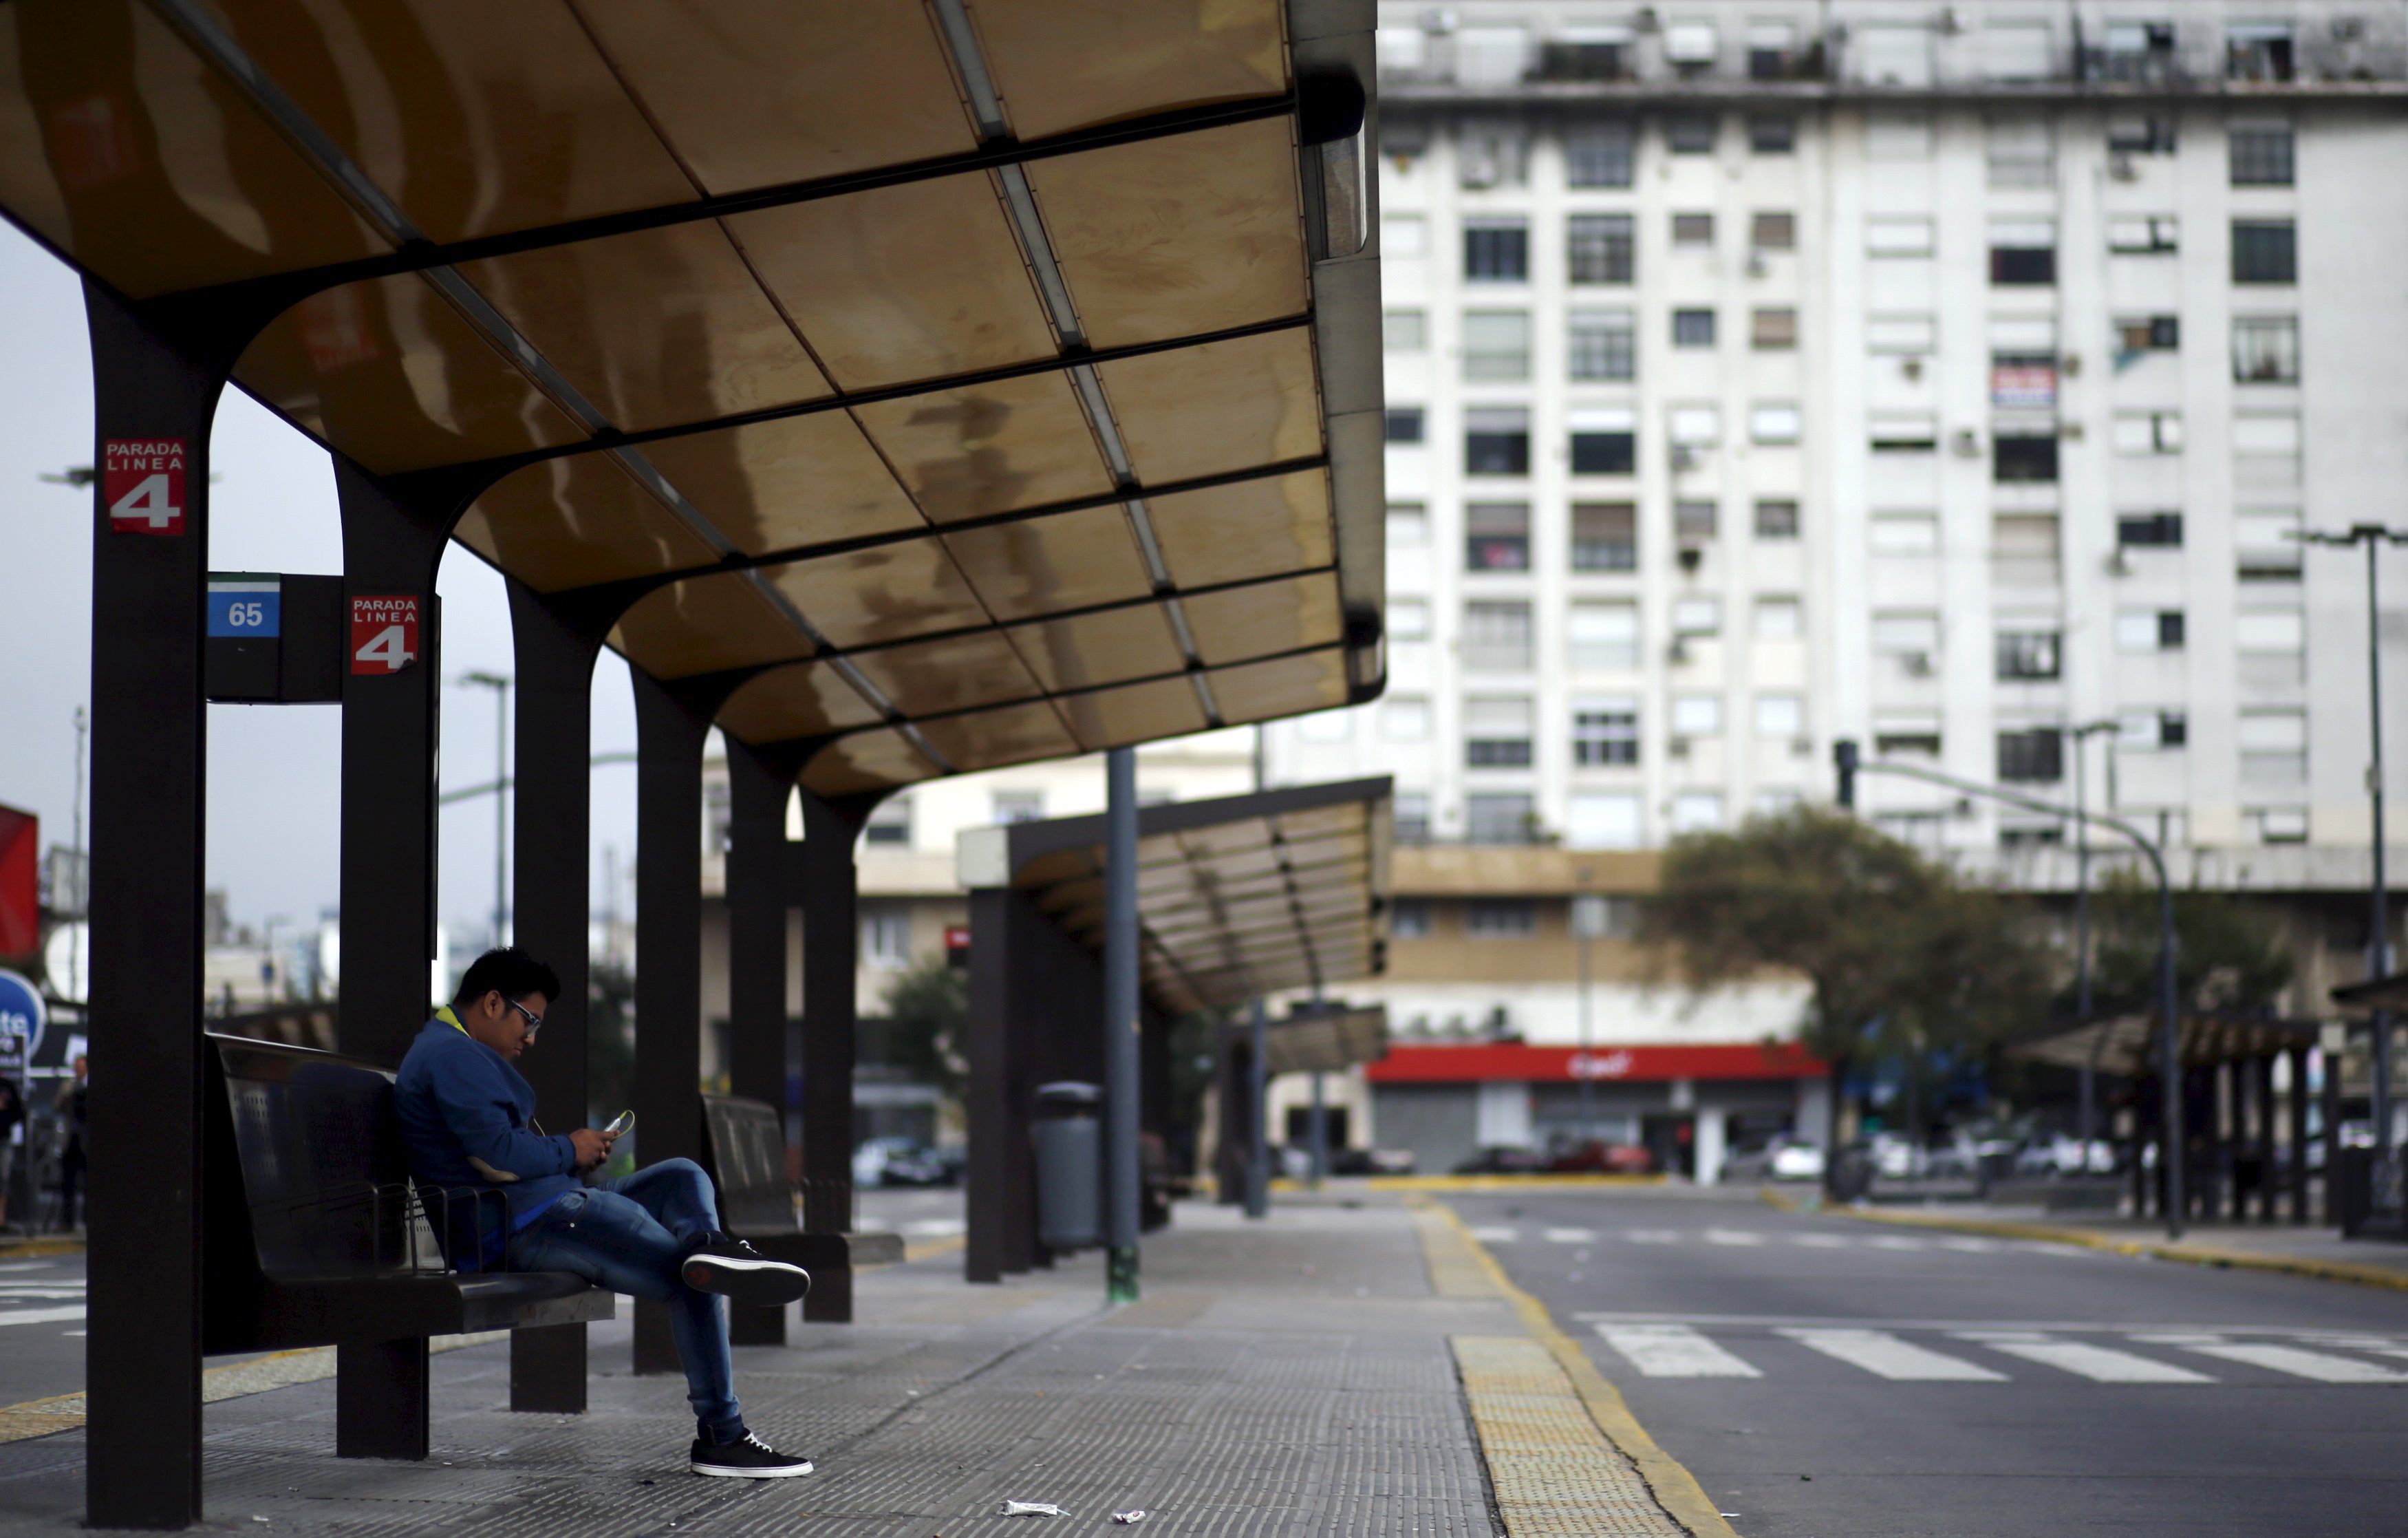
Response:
column 759, row 785
column 670, row 727
column 149, row 741
column 987, row 1181
column 831, row 947
column 2269, row 1186
column 2299, row 1134
column 551, row 895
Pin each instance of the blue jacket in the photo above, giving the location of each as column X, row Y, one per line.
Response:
column 465, row 1114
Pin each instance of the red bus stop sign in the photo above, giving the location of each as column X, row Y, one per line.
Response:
column 143, row 481
column 384, row 633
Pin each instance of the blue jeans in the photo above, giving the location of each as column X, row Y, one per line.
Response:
column 628, row 1235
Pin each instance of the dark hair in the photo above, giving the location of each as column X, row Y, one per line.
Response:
column 509, row 971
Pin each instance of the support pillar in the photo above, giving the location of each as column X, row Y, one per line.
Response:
column 2299, row 1134
column 550, row 894
column 994, row 1193
column 1122, row 1110
column 149, row 751
column 758, row 788
column 670, row 727
column 831, row 944
column 2269, row 1185
column 2332, row 1066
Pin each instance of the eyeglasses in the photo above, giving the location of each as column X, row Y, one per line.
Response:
column 535, row 1021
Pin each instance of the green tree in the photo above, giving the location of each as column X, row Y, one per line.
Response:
column 926, row 1032
column 2229, row 953
column 1901, row 955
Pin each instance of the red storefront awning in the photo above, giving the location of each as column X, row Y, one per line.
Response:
column 1459, row 1063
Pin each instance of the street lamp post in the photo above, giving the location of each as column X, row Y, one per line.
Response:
column 1589, row 922
column 501, row 687
column 2086, row 1120
column 1844, row 754
column 2378, row 941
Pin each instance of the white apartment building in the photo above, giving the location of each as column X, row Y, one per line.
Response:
column 1938, row 376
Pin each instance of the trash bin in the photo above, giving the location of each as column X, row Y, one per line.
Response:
column 1070, row 1165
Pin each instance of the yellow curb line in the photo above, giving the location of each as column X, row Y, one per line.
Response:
column 63, row 1244
column 2290, row 1265
column 927, row 1249
column 1494, row 1183
column 1675, row 1488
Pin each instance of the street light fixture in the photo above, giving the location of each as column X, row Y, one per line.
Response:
column 2378, row 943
column 500, row 685
column 1843, row 755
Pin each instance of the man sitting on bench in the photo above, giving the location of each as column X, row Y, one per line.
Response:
column 467, row 1115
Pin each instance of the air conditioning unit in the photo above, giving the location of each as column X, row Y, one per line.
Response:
column 1912, row 367
column 1678, row 653
column 2070, row 431
column 1917, row 664
column 1801, row 747
column 1684, row 458
column 2118, row 565
column 1968, row 443
column 2120, row 167
column 1677, row 747
column 1756, row 264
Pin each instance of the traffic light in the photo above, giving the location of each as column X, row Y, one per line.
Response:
column 1843, row 756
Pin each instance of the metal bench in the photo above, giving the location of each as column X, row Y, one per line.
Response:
column 314, row 1234
column 745, row 1151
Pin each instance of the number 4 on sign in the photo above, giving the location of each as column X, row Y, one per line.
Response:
column 389, row 646
column 149, row 502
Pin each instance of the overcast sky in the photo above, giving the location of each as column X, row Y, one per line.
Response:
column 274, row 782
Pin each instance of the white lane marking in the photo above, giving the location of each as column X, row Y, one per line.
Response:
column 1886, row 1355
column 1674, row 1351
column 934, row 1228
column 1971, row 1247
column 30, row 1265
column 2299, row 1363
column 1494, row 1234
column 1651, row 1236
column 41, row 1315
column 20, row 1294
column 1823, row 1241
column 1571, row 1236
column 2098, row 1363
column 1732, row 1236
column 1894, row 1242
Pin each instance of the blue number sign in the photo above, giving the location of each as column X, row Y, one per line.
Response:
column 245, row 603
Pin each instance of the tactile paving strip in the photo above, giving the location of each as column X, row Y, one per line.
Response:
column 1554, row 1473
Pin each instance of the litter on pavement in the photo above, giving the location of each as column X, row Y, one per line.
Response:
column 1125, row 1517
column 1030, row 1508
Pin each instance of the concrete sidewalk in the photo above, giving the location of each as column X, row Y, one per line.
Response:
column 1337, row 1369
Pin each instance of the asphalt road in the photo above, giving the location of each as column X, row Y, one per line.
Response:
column 1825, row 1378
column 41, row 1326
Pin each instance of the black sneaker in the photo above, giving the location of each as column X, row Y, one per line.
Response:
column 750, row 1459
column 738, row 1272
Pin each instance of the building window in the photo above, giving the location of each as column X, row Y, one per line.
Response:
column 2156, row 235
column 1408, row 524
column 1771, row 134
column 2148, row 433
column 2139, row 334
column 2273, row 746
column 2268, row 543
column 2035, row 756
column 1771, row 50
column 2266, row 350
column 1404, row 330
column 1696, row 426
column 2027, row 654
column 1778, row 618
column 1905, row 533
column 1604, row 345
column 1495, row 345
column 2137, row 529
column 1498, row 817
column 1773, row 423
column 1605, row 536
column 2023, row 456
column 1905, row 432
column 1696, row 716
column 1780, row 717
column 1698, row 812
column 1604, row 442
column 2260, row 155
column 1773, row 329
column 1408, row 619
column 1496, row 731
column 1501, row 918
column 1693, row 328
column 2264, row 632
column 2150, row 730
column 1694, row 521
column 2138, row 52
column 1408, row 918
column 890, row 824
column 2141, row 134
column 2023, row 252
column 2022, row 154
column 1497, row 636
column 1405, row 718
column 1914, row 639
column 1898, row 236
column 1017, row 806
column 1774, row 232
column 2265, row 250
column 1696, row 615
column 1600, row 154
column 1604, row 637
column 1693, row 232
column 1776, row 518
column 1598, row 248
column 1605, row 733
column 1906, row 733
column 1493, row 153
column 2265, row 448
column 2149, row 631
column 2024, row 549
column 1583, row 53
column 1604, row 820
column 1412, row 817
column 1496, row 251
column 1497, row 536
column 1496, row 441
column 1690, row 132
column 886, row 936
column 1906, row 336
column 2259, row 51
column 1403, row 235
column 2281, row 825
column 1405, row 424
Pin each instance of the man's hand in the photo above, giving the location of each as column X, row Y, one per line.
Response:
column 591, row 1147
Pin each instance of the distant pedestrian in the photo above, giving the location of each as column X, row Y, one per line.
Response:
column 74, row 1106
column 12, row 1124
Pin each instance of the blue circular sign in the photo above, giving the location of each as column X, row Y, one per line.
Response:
column 22, row 1015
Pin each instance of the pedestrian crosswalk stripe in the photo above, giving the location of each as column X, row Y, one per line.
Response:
column 41, row 1315
column 2298, row 1362
column 1733, row 1236
column 1571, row 1236
column 1897, row 1242
column 1674, row 1351
column 1823, row 1241
column 1652, row 1236
column 1497, row 1234
column 2098, row 1363
column 1886, row 1355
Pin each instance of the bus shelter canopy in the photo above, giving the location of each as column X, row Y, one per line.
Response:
column 2128, row 1045
column 1237, row 897
column 956, row 384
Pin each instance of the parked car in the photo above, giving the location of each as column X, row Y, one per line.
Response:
column 1784, row 1157
column 1503, row 1161
column 900, row 1161
column 1600, row 1158
column 2059, row 1156
column 1372, row 1161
